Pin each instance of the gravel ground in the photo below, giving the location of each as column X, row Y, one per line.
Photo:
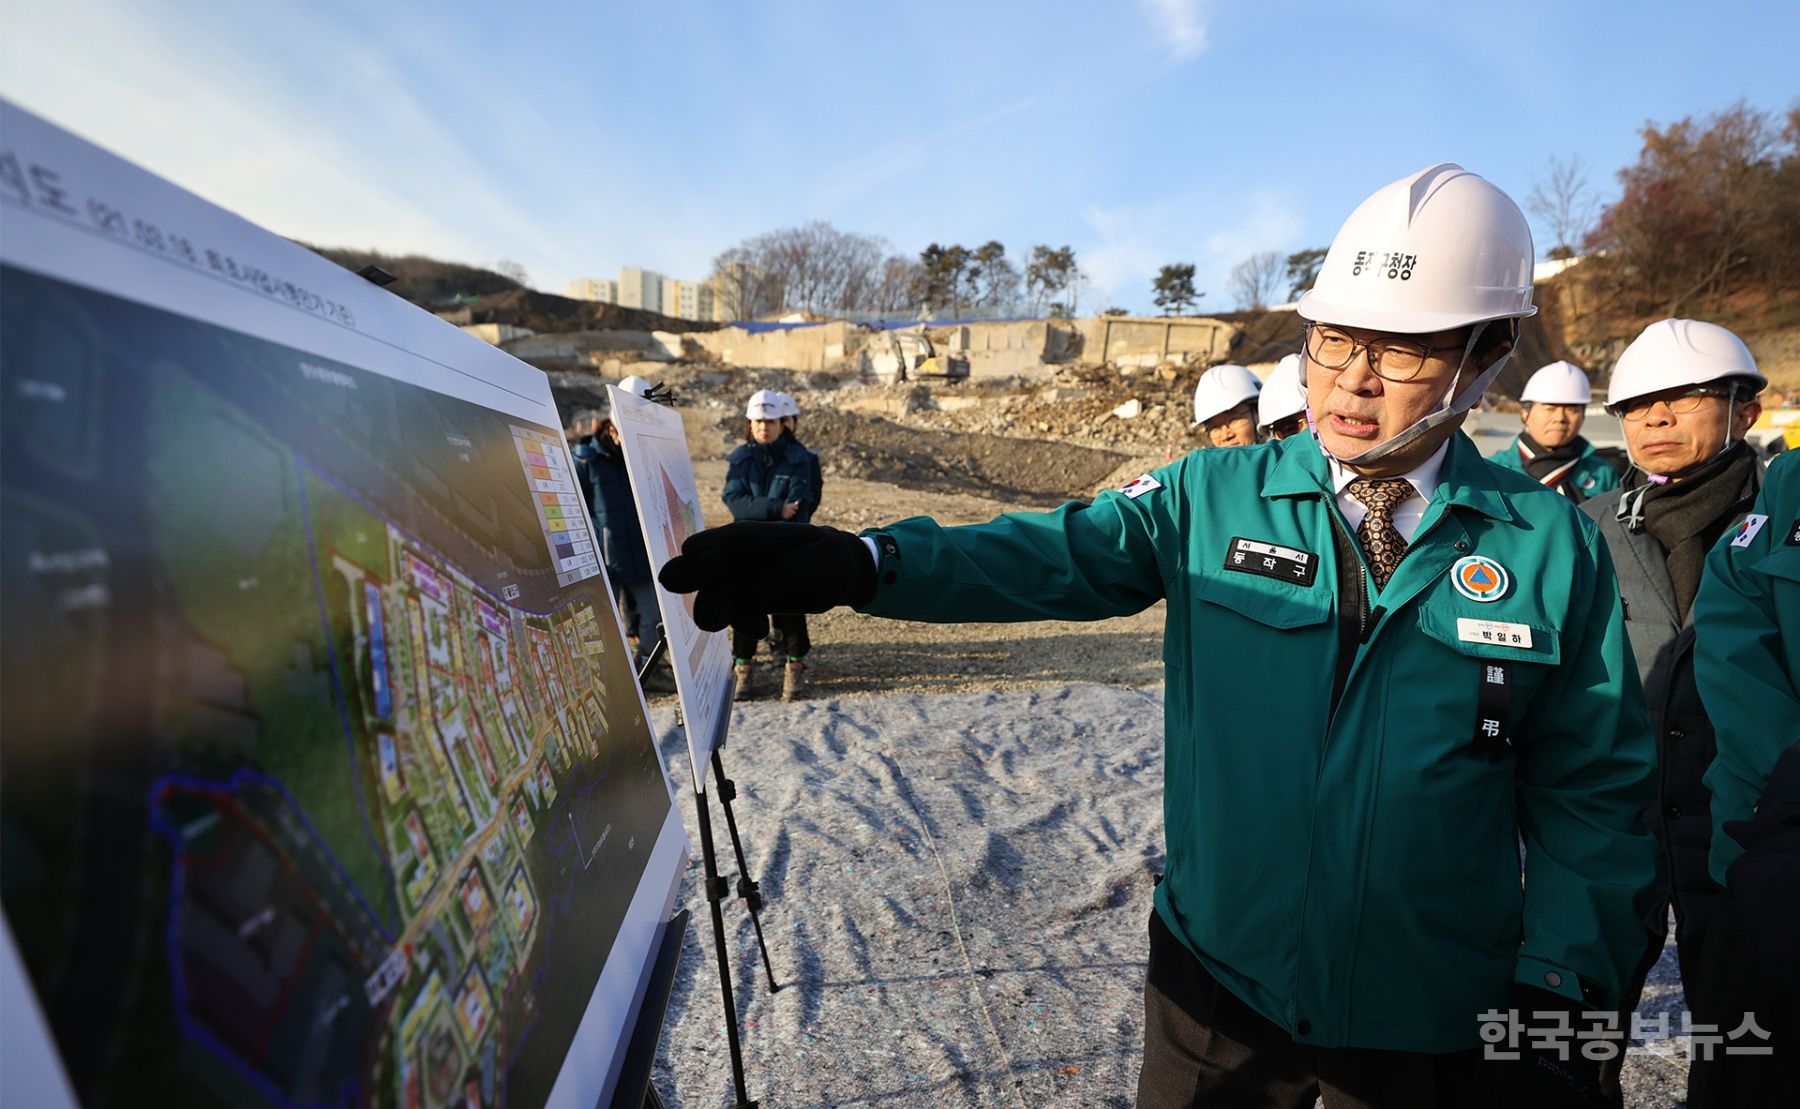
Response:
column 957, row 887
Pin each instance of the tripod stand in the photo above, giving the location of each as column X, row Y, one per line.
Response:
column 716, row 887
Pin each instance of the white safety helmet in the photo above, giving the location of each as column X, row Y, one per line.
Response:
column 636, row 386
column 1221, row 389
column 1440, row 249
column 765, row 404
column 1558, row 383
column 1282, row 395
column 789, row 406
column 1672, row 353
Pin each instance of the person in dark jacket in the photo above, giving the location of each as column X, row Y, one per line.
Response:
column 600, row 464
column 1747, row 664
column 772, row 477
column 1685, row 392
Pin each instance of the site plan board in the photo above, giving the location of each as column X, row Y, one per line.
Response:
column 325, row 775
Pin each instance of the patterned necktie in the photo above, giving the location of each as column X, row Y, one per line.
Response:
column 1381, row 541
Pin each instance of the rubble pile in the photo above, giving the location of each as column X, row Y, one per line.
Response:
column 1035, row 440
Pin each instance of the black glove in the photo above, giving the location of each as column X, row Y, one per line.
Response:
column 1539, row 1079
column 750, row 569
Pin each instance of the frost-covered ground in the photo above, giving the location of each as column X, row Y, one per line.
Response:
column 957, row 888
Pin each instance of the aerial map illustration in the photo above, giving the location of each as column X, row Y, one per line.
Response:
column 324, row 777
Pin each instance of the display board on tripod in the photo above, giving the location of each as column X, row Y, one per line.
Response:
column 324, row 775
column 668, row 505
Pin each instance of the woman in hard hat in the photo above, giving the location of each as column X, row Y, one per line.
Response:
column 772, row 477
column 1225, row 406
column 1344, row 897
column 1685, row 392
column 1281, row 406
column 1551, row 448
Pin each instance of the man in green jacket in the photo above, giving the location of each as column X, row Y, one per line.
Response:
column 1343, row 898
column 1550, row 446
column 1747, row 665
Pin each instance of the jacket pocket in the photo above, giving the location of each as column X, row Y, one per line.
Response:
column 1276, row 604
column 1462, row 632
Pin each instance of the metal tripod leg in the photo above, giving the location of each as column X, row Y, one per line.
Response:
column 750, row 891
column 715, row 894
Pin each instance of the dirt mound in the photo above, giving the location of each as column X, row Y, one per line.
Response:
column 1025, row 472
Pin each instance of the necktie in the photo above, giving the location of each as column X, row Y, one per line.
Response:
column 1381, row 540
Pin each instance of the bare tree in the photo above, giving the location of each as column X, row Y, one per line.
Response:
column 895, row 285
column 512, row 271
column 814, row 267
column 1708, row 208
column 1562, row 199
column 1255, row 280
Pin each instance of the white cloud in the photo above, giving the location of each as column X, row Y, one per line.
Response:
column 1214, row 233
column 858, row 176
column 1182, row 24
column 274, row 143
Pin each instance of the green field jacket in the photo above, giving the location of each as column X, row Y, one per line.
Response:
column 1747, row 652
column 1352, row 871
column 1591, row 476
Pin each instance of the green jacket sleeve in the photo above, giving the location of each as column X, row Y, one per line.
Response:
column 1079, row 562
column 1745, row 681
column 1587, row 766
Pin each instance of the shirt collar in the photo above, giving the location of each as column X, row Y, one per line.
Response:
column 1423, row 477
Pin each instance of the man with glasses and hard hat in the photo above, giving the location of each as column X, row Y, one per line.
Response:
column 1281, row 406
column 1343, row 913
column 1550, row 447
column 1685, row 392
column 1225, row 406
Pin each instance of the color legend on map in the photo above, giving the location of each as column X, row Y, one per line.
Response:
column 561, row 508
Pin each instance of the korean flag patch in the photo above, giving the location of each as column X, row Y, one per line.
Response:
column 1746, row 531
column 1138, row 486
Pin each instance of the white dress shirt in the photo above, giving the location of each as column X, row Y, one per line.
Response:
column 1408, row 513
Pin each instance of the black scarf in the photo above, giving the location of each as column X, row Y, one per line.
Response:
column 1541, row 461
column 1688, row 516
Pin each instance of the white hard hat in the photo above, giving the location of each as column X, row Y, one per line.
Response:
column 765, row 404
column 1440, row 249
column 1221, row 389
column 1558, row 383
column 1672, row 353
column 1283, row 394
column 789, row 406
column 636, row 386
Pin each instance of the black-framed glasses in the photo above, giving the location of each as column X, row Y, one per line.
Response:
column 1679, row 404
column 1398, row 360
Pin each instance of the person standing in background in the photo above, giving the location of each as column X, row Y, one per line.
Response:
column 1550, row 448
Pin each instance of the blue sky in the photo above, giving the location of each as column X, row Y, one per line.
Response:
column 579, row 137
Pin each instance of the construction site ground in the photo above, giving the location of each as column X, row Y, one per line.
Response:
column 961, row 454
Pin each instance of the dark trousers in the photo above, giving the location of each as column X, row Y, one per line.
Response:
column 1203, row 1046
column 791, row 625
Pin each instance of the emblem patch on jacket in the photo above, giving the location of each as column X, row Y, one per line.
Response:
column 1746, row 531
column 1793, row 539
column 1479, row 578
column 1272, row 560
column 1138, row 486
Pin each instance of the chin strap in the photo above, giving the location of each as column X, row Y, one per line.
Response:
column 1453, row 404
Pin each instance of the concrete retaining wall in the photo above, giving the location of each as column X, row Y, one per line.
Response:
column 1147, row 341
column 797, row 348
